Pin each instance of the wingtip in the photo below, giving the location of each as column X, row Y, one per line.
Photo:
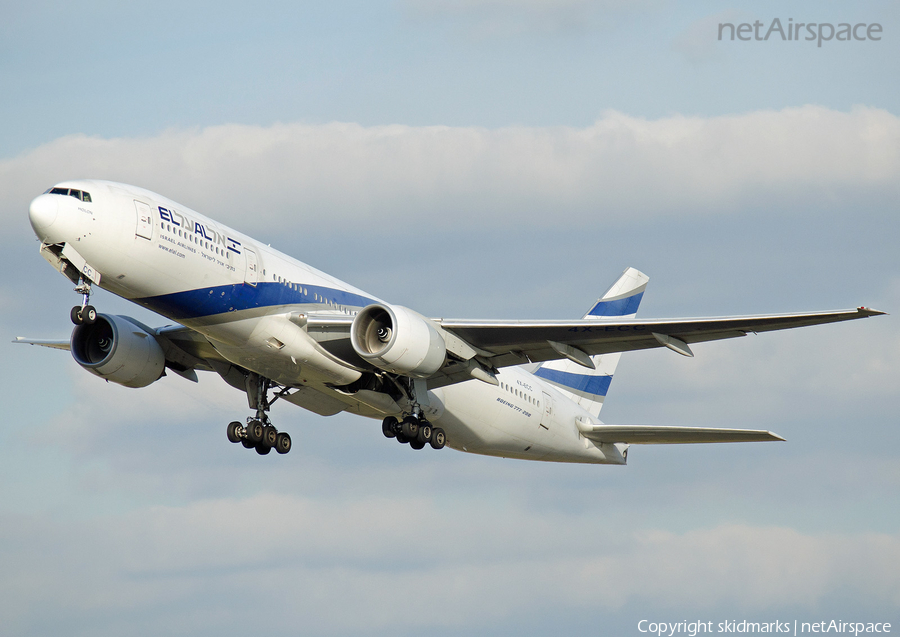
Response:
column 867, row 311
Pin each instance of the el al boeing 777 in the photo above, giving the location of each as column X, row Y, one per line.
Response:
column 278, row 329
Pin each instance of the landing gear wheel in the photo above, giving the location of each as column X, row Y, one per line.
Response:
column 75, row 315
column 282, row 443
column 425, row 433
column 416, row 444
column 255, row 431
column 270, row 435
column 88, row 315
column 410, row 427
column 438, row 438
column 258, row 433
column 388, row 425
column 402, row 439
column 234, row 431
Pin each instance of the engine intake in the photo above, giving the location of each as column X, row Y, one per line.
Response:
column 396, row 339
column 118, row 350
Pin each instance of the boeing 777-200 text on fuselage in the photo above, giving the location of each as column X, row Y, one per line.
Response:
column 276, row 328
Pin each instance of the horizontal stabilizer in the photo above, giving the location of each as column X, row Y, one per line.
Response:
column 653, row 435
column 55, row 344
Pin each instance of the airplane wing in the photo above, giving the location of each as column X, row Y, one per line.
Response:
column 44, row 342
column 518, row 342
column 653, row 435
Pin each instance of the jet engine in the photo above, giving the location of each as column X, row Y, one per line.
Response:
column 396, row 339
column 119, row 350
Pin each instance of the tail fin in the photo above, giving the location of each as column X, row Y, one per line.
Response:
column 588, row 387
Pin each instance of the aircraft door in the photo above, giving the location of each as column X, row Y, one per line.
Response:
column 547, row 412
column 144, row 220
column 251, row 273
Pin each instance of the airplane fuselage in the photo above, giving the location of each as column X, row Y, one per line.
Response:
column 250, row 302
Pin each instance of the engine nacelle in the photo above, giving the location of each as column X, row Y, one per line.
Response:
column 396, row 339
column 118, row 350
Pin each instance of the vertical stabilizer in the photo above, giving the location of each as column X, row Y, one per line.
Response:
column 588, row 387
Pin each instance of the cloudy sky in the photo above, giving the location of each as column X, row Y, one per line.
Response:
column 468, row 158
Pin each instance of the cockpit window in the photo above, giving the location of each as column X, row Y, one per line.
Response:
column 78, row 194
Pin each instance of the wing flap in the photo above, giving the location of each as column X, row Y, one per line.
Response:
column 655, row 435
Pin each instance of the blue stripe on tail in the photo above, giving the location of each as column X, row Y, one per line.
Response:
column 617, row 307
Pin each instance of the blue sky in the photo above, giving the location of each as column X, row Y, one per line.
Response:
column 471, row 158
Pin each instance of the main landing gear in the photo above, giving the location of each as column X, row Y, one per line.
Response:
column 83, row 314
column 259, row 433
column 415, row 431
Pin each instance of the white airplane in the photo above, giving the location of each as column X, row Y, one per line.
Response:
column 276, row 328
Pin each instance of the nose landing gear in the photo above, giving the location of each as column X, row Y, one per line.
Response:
column 259, row 433
column 83, row 314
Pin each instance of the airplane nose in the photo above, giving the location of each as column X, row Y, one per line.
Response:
column 42, row 213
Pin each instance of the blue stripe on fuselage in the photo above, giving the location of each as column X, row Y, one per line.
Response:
column 594, row 385
column 619, row 307
column 241, row 296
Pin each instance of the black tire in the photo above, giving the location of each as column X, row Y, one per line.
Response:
column 416, row 444
column 263, row 449
column 247, row 444
column 425, row 433
column 402, row 439
column 89, row 315
column 438, row 438
column 234, row 431
column 270, row 436
column 282, row 443
column 254, row 432
column 410, row 427
column 388, row 425
column 75, row 315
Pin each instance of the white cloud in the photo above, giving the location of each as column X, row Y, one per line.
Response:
column 620, row 167
column 315, row 559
